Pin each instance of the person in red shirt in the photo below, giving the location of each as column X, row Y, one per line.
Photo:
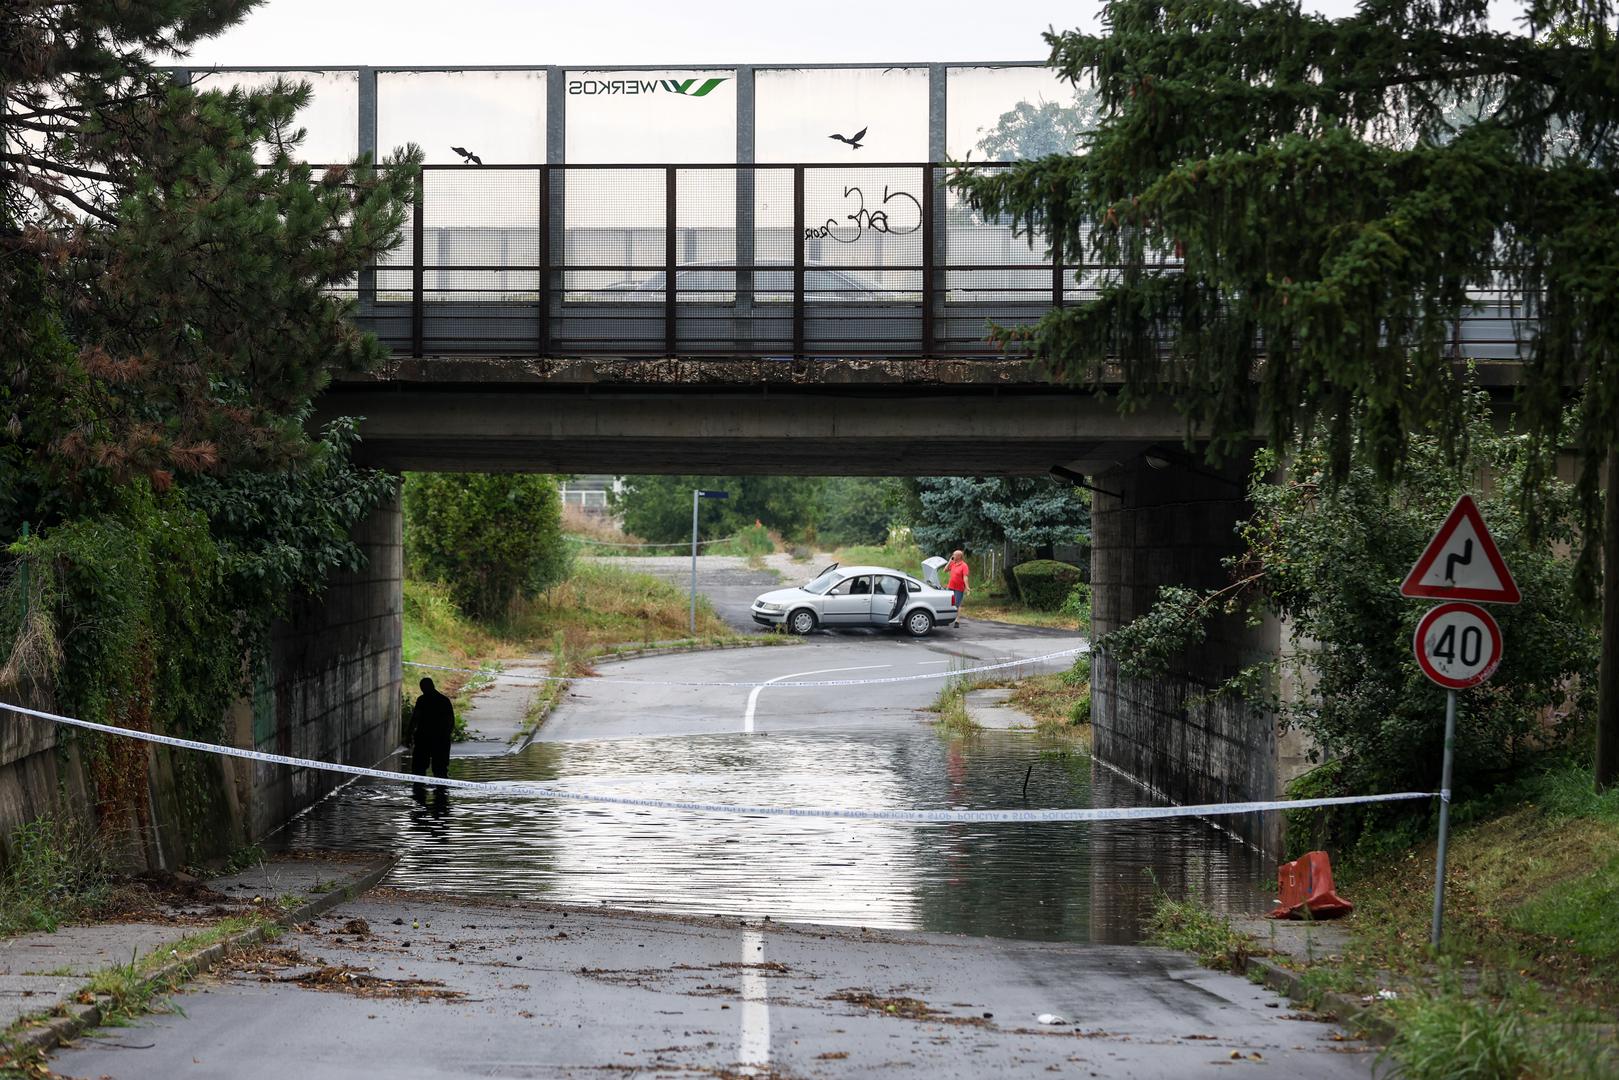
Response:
column 958, row 571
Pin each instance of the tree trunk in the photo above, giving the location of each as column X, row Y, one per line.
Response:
column 1607, row 754
column 1008, row 557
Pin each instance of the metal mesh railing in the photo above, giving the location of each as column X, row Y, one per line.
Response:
column 781, row 261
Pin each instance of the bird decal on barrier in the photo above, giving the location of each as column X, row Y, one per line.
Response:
column 852, row 140
column 467, row 156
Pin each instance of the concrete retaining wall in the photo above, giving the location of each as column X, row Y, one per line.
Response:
column 1173, row 527
column 329, row 690
column 332, row 689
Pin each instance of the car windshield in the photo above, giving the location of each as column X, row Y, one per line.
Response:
column 822, row 583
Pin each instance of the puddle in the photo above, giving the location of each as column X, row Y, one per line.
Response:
column 1053, row 882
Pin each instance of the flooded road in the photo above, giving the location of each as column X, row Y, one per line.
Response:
column 1053, row 882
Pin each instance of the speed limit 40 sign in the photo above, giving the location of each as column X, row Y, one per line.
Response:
column 1458, row 645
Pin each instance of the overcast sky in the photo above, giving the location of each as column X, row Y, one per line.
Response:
column 606, row 32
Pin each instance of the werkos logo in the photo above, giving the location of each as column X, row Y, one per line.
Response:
column 684, row 87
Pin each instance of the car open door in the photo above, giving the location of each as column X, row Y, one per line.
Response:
column 882, row 598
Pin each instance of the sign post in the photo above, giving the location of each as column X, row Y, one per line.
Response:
column 1458, row 644
column 697, row 495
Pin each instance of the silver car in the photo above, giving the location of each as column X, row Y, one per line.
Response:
column 856, row 596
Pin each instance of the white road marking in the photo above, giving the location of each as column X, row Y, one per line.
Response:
column 930, row 663
column 755, row 1048
column 753, row 695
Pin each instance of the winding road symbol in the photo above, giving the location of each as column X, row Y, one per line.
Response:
column 1462, row 562
column 1453, row 560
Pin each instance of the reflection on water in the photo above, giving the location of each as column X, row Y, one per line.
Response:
column 1072, row 882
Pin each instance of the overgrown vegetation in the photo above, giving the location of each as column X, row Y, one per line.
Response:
column 601, row 604
column 951, row 707
column 1060, row 703
column 750, row 542
column 491, row 538
column 597, row 610
column 1527, row 984
column 1329, row 560
column 167, row 317
column 1047, row 584
column 1189, row 925
column 57, row 871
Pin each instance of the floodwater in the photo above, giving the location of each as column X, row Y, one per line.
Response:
column 1054, row 882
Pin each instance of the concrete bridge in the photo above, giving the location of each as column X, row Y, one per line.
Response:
column 679, row 271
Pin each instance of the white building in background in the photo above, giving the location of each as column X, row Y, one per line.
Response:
column 592, row 494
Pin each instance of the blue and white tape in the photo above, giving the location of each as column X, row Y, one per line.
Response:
column 742, row 685
column 564, row 794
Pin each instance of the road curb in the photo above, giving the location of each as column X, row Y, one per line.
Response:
column 56, row 1030
column 1350, row 1013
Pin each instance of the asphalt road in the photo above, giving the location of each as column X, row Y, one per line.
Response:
column 607, row 709
column 532, row 991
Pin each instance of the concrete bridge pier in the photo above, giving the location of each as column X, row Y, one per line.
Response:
column 1173, row 525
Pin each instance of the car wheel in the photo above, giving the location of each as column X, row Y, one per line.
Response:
column 918, row 624
column 801, row 621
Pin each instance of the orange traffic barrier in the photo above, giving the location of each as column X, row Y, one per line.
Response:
column 1306, row 890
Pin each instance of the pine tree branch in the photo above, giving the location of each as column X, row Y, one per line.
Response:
column 46, row 165
column 45, row 187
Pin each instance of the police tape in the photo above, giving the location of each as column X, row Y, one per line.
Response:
column 563, row 794
column 741, row 685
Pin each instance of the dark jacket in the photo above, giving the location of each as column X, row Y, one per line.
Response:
column 432, row 719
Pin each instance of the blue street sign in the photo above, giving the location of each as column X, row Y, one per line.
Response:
column 715, row 494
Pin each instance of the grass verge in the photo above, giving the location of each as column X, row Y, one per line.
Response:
column 601, row 605
column 599, row 611
column 1060, row 703
column 1190, row 926
column 1527, row 984
column 951, row 707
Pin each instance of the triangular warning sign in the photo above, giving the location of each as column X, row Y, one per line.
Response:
column 1461, row 562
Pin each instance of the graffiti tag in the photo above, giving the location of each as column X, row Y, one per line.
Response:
column 864, row 219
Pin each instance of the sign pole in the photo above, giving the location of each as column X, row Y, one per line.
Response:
column 696, row 494
column 1444, row 816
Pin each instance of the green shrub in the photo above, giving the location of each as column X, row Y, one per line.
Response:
column 753, row 540
column 1327, row 559
column 1046, row 583
column 489, row 538
column 1191, row 926
column 56, row 871
column 1077, row 605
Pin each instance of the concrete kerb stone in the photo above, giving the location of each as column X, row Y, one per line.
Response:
column 52, row 1031
column 1351, row 1013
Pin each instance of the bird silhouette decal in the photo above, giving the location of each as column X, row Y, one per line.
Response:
column 852, row 140
column 467, row 156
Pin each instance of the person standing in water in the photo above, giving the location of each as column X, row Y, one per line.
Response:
column 432, row 722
